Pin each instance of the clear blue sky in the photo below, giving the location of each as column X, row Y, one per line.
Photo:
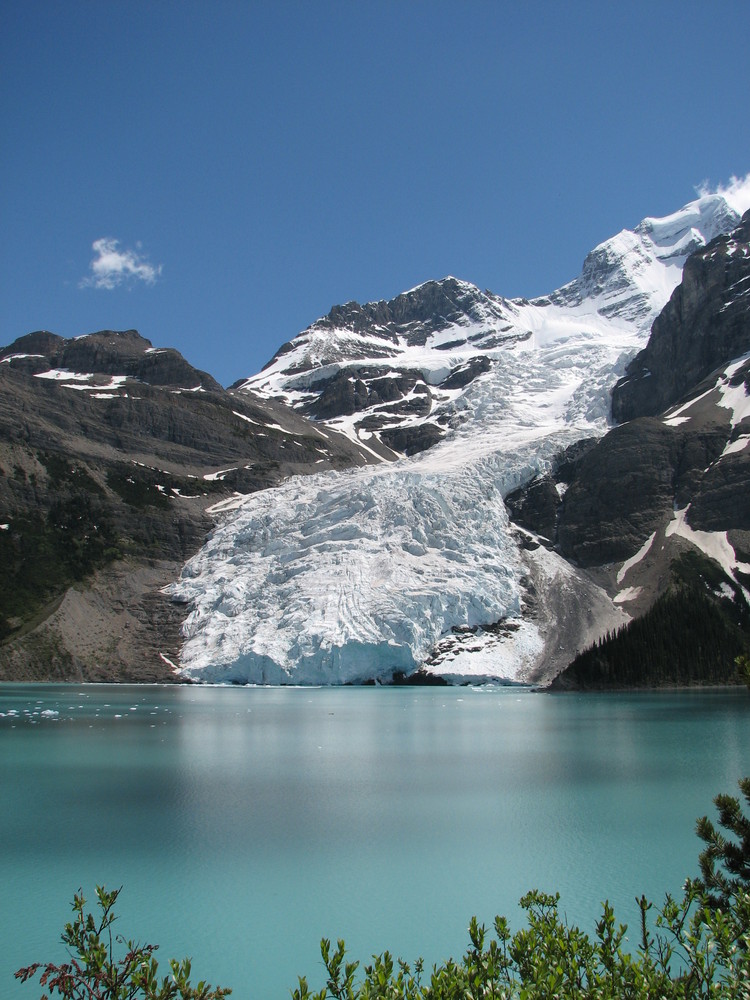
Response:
column 259, row 162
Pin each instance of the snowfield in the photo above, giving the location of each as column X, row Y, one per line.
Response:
column 355, row 576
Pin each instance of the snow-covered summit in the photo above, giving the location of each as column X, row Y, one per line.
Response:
column 402, row 370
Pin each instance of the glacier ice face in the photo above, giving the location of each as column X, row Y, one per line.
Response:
column 353, row 576
column 350, row 576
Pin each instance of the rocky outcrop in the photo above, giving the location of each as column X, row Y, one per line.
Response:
column 107, row 353
column 599, row 507
column 412, row 438
column 629, row 485
column 535, row 506
column 354, row 390
column 411, row 318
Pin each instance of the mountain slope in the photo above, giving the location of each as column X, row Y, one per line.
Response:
column 415, row 566
column 112, row 457
column 691, row 510
column 703, row 326
column 690, row 457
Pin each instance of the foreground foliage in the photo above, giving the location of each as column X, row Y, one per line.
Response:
column 696, row 948
column 695, row 952
column 725, row 862
column 93, row 972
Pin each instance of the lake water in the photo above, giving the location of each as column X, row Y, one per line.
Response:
column 247, row 823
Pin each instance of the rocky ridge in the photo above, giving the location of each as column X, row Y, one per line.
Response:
column 703, row 326
column 685, row 426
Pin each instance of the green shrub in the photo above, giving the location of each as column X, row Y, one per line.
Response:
column 694, row 952
column 94, row 973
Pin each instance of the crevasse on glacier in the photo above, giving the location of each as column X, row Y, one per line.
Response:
column 346, row 577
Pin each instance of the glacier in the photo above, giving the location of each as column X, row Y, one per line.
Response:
column 413, row 566
column 350, row 577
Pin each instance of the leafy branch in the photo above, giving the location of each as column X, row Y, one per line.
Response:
column 95, row 973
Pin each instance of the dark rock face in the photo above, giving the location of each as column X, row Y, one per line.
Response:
column 465, row 374
column 628, row 485
column 535, row 506
column 356, row 389
column 705, row 324
column 565, row 466
column 618, row 491
column 411, row 439
column 723, row 499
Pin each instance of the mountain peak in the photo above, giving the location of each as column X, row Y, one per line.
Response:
column 404, row 369
column 120, row 354
column 736, row 194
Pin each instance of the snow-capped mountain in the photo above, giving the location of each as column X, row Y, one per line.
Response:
column 408, row 371
column 414, row 566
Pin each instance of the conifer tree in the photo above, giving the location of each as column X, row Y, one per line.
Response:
column 725, row 862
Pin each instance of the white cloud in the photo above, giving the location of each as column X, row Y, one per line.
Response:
column 112, row 266
column 737, row 192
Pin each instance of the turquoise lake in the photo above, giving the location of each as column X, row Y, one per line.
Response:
column 246, row 823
